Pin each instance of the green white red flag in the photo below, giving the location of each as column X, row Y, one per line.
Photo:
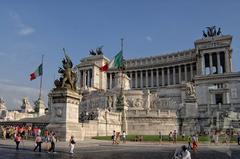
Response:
column 38, row 72
column 117, row 62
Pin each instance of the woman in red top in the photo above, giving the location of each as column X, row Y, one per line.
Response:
column 17, row 140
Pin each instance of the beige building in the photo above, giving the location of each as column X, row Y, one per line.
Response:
column 156, row 88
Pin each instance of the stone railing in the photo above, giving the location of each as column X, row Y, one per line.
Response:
column 150, row 113
column 179, row 56
column 109, row 115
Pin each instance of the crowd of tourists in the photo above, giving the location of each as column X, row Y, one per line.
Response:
column 42, row 138
column 10, row 132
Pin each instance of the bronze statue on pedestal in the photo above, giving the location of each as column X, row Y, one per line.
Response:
column 68, row 77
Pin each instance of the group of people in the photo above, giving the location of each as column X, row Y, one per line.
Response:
column 172, row 136
column 117, row 137
column 20, row 133
column 10, row 132
column 49, row 139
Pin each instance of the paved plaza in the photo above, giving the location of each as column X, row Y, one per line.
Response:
column 93, row 149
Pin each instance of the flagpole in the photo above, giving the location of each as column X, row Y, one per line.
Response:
column 122, row 67
column 122, row 44
column 40, row 92
column 122, row 51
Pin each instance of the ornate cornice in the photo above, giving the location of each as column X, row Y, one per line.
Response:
column 218, row 77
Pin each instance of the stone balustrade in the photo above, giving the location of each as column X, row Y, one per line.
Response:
column 151, row 113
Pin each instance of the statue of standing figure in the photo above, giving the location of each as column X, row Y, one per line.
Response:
column 69, row 77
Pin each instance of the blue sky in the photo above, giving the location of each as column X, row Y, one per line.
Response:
column 30, row 28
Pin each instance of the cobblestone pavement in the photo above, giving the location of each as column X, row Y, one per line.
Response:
column 92, row 149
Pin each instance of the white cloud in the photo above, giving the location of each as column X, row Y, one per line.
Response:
column 149, row 38
column 26, row 31
column 23, row 29
column 13, row 94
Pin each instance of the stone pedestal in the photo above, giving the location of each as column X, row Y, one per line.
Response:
column 190, row 118
column 122, row 81
column 64, row 116
column 191, row 107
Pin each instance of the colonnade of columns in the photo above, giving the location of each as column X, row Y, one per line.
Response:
column 85, row 77
column 155, row 77
column 219, row 60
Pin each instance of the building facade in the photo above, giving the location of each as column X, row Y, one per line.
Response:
column 155, row 88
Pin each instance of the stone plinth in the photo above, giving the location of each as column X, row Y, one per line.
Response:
column 122, row 81
column 190, row 119
column 64, row 116
column 191, row 107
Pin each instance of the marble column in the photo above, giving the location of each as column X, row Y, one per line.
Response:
column 227, row 67
column 152, row 78
column 174, row 76
column 180, row 74
column 146, row 75
column 89, row 78
column 218, row 63
column 79, row 79
column 84, row 79
column 203, row 65
column 191, row 71
column 163, row 82
column 168, row 76
column 110, row 81
column 227, row 97
column 136, row 80
column 131, row 82
column 185, row 72
column 210, row 63
column 141, row 79
column 157, row 77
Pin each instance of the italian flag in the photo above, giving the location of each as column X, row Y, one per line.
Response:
column 117, row 62
column 38, row 72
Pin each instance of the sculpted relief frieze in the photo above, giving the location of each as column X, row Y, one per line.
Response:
column 135, row 102
column 162, row 103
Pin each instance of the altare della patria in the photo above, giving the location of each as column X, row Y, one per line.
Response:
column 190, row 91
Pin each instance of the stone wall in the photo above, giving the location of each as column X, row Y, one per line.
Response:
column 104, row 125
column 142, row 122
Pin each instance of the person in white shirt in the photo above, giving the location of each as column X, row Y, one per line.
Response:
column 72, row 144
column 182, row 153
column 124, row 137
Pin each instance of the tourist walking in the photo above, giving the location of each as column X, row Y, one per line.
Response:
column 113, row 137
column 124, row 137
column 170, row 136
column 117, row 138
column 46, row 140
column 174, row 137
column 189, row 142
column 53, row 141
column 182, row 153
column 238, row 138
column 18, row 139
column 160, row 137
column 38, row 142
column 72, row 144
column 194, row 143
